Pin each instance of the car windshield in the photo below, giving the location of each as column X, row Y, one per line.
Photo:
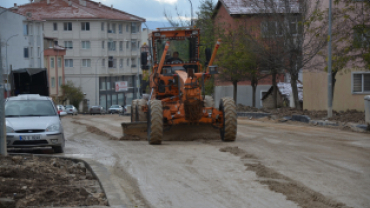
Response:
column 15, row 108
column 69, row 106
column 183, row 49
column 115, row 106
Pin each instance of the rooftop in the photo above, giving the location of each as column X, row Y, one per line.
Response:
column 235, row 7
column 61, row 10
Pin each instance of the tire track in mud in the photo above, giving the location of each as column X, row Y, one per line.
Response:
column 95, row 130
column 293, row 190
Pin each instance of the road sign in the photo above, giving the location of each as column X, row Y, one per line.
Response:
column 121, row 86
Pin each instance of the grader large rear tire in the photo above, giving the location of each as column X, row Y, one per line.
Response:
column 133, row 111
column 228, row 108
column 155, row 122
column 140, row 114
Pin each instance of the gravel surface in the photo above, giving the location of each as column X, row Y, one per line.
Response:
column 30, row 181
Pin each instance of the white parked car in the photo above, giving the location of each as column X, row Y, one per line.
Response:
column 33, row 121
column 70, row 109
column 115, row 109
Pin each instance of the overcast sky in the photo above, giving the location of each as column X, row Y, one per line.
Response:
column 151, row 10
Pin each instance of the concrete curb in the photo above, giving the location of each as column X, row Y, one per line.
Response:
column 253, row 115
column 323, row 123
column 99, row 172
column 301, row 118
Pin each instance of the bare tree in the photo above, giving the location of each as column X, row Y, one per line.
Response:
column 289, row 37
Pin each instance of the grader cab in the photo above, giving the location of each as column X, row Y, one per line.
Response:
column 177, row 97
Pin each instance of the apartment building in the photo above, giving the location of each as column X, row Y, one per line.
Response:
column 54, row 62
column 102, row 46
column 21, row 42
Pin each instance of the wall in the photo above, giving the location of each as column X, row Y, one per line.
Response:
column 244, row 94
column 316, row 91
column 87, row 77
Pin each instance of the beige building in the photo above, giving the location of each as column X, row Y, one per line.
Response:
column 102, row 46
column 350, row 89
column 352, row 84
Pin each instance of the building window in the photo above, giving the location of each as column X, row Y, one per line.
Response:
column 55, row 42
column 127, row 27
column 52, row 62
column 133, row 45
column 60, row 81
column 113, row 27
column 50, row 44
column 38, row 52
column 127, row 44
column 85, row 26
column 68, row 62
column 138, row 44
column 68, row 44
column 361, row 82
column 86, row 44
column 102, row 44
column 52, row 82
column 86, row 63
column 128, row 62
column 112, row 62
column 31, row 52
column 121, row 46
column 134, row 27
column 55, row 26
column 68, row 26
column 121, row 63
column 25, row 29
column 102, row 26
column 25, row 52
column 112, row 45
column 120, row 28
column 103, row 62
column 109, row 30
column 59, row 62
column 133, row 64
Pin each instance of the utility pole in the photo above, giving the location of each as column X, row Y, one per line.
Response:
column 330, row 91
column 3, row 150
column 7, row 66
column 191, row 15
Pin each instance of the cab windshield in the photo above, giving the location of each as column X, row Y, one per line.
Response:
column 181, row 50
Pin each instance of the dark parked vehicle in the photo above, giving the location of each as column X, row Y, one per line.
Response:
column 96, row 110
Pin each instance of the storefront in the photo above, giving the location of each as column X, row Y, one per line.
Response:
column 108, row 95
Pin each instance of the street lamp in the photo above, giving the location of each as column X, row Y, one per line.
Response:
column 7, row 66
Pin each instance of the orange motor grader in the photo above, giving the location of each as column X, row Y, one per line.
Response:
column 177, row 97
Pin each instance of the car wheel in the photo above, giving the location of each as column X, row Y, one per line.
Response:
column 58, row 149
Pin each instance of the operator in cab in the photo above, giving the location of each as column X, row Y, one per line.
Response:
column 175, row 57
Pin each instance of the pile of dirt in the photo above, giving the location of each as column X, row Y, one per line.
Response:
column 30, row 181
column 293, row 190
column 338, row 116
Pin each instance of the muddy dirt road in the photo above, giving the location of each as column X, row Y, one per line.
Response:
column 274, row 165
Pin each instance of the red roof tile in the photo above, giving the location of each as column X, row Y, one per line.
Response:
column 59, row 10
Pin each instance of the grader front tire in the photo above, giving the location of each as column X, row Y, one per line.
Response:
column 228, row 108
column 155, row 122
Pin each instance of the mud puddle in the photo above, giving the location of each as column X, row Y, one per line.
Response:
column 293, row 190
column 30, row 181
